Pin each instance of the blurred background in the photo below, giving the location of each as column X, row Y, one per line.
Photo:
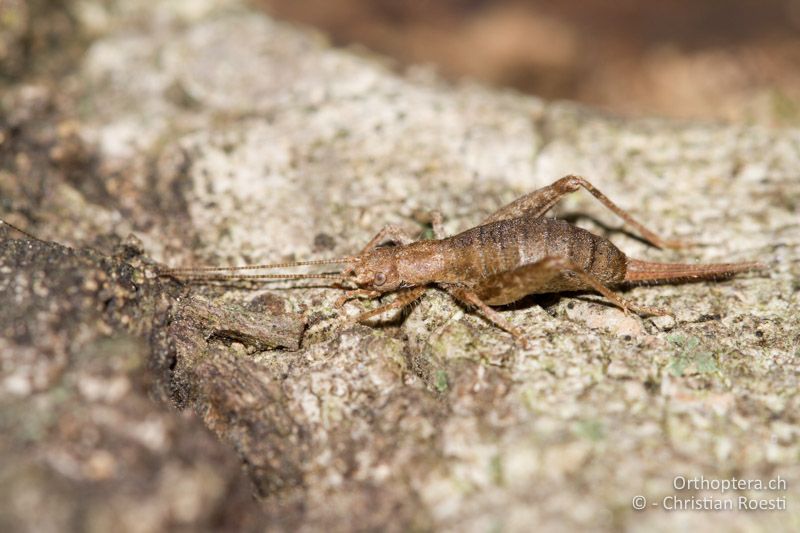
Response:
column 729, row 60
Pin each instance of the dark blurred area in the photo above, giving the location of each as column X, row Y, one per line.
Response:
column 736, row 60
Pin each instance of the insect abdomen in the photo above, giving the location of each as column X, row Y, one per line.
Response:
column 508, row 244
column 542, row 238
column 480, row 252
column 594, row 254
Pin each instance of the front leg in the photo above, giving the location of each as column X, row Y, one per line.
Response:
column 403, row 299
column 357, row 293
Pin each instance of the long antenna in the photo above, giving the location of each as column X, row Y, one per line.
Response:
column 256, row 277
column 325, row 275
column 20, row 230
column 181, row 270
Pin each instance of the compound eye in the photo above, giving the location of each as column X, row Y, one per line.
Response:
column 380, row 279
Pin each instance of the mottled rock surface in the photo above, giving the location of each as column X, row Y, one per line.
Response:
column 213, row 134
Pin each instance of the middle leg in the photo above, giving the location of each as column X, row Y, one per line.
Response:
column 388, row 233
column 471, row 299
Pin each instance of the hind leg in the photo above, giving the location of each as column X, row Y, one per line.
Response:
column 510, row 286
column 540, row 201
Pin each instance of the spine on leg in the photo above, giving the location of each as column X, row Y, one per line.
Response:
column 650, row 271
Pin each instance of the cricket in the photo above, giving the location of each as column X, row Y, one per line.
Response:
column 515, row 252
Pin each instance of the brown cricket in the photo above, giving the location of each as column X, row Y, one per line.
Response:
column 515, row 252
